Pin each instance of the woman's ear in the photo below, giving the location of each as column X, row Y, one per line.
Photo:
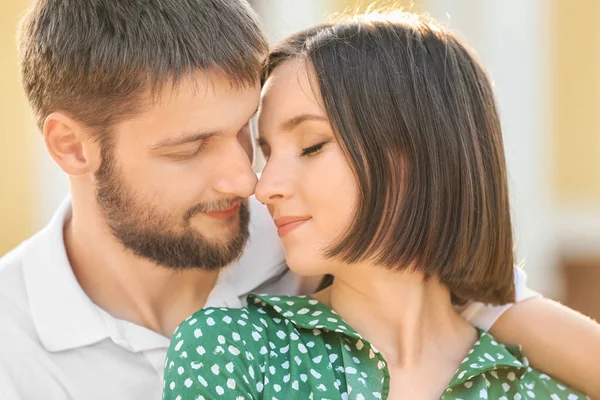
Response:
column 71, row 144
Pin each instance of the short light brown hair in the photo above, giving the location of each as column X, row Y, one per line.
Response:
column 415, row 114
column 93, row 58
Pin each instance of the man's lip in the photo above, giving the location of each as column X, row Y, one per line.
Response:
column 281, row 221
column 226, row 213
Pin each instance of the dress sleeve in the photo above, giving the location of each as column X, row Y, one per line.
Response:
column 484, row 316
column 210, row 357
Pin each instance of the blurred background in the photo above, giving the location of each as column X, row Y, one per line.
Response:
column 544, row 59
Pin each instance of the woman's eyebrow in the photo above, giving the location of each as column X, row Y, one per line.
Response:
column 293, row 122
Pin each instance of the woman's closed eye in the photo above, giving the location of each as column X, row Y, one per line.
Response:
column 313, row 150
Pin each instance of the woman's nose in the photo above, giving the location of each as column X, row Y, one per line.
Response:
column 274, row 183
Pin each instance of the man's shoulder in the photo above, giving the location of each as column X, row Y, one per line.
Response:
column 17, row 328
column 13, row 293
column 13, row 259
column 19, row 341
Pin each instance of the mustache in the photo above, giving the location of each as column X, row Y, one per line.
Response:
column 214, row 206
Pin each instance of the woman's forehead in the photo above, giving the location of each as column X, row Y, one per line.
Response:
column 290, row 90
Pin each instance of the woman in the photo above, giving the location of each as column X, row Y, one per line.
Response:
column 386, row 171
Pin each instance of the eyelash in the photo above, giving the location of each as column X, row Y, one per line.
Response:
column 312, row 150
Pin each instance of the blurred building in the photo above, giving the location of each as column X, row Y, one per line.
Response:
column 544, row 58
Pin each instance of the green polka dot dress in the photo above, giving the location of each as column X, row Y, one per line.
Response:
column 289, row 348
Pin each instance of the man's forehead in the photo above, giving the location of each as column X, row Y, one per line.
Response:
column 203, row 97
column 199, row 84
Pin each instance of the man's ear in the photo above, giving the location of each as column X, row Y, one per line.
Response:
column 70, row 144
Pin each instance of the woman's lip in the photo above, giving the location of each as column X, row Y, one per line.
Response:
column 287, row 224
column 280, row 221
column 225, row 214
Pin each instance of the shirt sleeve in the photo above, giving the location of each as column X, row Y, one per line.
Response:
column 209, row 357
column 484, row 316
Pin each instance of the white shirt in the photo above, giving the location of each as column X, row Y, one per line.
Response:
column 55, row 343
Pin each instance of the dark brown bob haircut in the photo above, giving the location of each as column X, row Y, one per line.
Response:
column 415, row 114
column 94, row 58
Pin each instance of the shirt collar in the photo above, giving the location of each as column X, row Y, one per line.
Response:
column 307, row 313
column 488, row 355
column 64, row 316
column 310, row 314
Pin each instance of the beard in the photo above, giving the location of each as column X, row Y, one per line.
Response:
column 156, row 235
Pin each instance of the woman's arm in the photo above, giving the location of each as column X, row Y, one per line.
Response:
column 556, row 339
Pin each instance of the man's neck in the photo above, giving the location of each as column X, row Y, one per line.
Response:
column 129, row 287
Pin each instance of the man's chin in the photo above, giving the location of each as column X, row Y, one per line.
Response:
column 217, row 232
column 218, row 237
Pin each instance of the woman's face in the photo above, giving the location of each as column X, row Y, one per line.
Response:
column 307, row 183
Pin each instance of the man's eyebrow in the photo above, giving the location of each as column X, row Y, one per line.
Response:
column 299, row 119
column 183, row 138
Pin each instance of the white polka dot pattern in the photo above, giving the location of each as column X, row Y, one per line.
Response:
column 282, row 347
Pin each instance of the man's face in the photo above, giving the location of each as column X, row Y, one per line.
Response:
column 174, row 180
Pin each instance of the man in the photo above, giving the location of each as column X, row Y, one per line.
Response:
column 145, row 106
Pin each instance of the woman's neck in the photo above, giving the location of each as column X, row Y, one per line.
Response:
column 407, row 319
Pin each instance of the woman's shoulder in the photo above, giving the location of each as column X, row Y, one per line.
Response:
column 497, row 371
column 264, row 313
column 211, row 322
